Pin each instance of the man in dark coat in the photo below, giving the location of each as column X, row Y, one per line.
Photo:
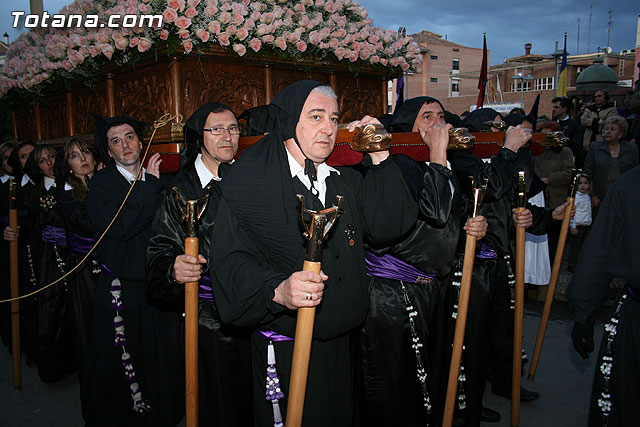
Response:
column 570, row 127
column 137, row 381
column 404, row 343
column 611, row 251
column 258, row 278
column 210, row 143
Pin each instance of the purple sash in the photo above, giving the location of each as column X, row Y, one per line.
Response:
column 632, row 292
column 205, row 291
column 54, row 235
column 390, row 267
column 79, row 244
column 272, row 336
column 107, row 272
column 486, row 252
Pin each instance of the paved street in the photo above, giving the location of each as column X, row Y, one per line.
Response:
column 563, row 380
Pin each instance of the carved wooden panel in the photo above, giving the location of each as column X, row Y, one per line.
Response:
column 87, row 103
column 283, row 77
column 144, row 95
column 357, row 97
column 239, row 86
column 26, row 124
column 54, row 117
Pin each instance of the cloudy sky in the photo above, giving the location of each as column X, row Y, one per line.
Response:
column 508, row 27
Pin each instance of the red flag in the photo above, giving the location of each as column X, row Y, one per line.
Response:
column 482, row 81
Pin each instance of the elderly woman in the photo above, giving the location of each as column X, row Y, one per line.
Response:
column 608, row 159
column 594, row 116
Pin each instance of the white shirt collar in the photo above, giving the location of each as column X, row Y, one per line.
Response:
column 4, row 178
column 204, row 174
column 49, row 182
column 324, row 170
column 68, row 187
column 128, row 175
column 25, row 180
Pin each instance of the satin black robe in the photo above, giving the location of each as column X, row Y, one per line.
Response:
column 391, row 392
column 224, row 362
column 56, row 357
column 611, row 251
column 152, row 335
column 489, row 332
column 379, row 208
column 82, row 281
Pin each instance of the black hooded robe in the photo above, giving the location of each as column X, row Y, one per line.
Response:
column 224, row 362
column 611, row 250
column 258, row 220
column 153, row 336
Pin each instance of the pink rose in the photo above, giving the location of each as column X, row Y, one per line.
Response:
column 293, row 37
column 255, row 44
column 301, row 46
column 330, row 7
column 264, row 29
column 231, row 30
column 333, row 43
column 164, row 34
column 353, row 56
column 239, row 9
column 176, row 4
column 94, row 51
column 373, row 39
column 193, row 3
column 224, row 17
column 183, row 22
column 405, row 66
column 133, row 41
column 268, row 38
column 239, row 49
column 211, row 10
column 249, row 24
column 144, row 44
column 365, row 54
column 203, row 35
column 340, row 52
column 107, row 51
column 190, row 12
column 183, row 34
column 384, row 61
column 223, row 39
column 267, row 18
column 237, row 19
column 121, row 42
column 225, row 6
column 144, row 8
column 242, row 34
column 319, row 3
column 374, row 59
column 188, row 45
column 394, row 62
column 169, row 15
column 299, row 7
column 214, row 27
column 281, row 43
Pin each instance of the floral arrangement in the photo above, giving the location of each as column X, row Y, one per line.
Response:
column 320, row 29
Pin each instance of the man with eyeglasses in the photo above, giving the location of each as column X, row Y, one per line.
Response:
column 210, row 143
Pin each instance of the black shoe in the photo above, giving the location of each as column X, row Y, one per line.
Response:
column 525, row 395
column 488, row 415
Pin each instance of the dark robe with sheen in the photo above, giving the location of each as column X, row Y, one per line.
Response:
column 391, row 392
column 224, row 363
column 81, row 283
column 611, row 251
column 153, row 335
column 489, row 332
column 377, row 207
column 5, row 283
column 56, row 357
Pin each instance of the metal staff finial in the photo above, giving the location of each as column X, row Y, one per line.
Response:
column 478, row 194
column 192, row 215
column 522, row 191
column 321, row 223
column 573, row 184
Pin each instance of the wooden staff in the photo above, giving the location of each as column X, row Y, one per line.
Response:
column 191, row 247
column 463, row 305
column 519, row 307
column 15, row 304
column 554, row 274
column 320, row 226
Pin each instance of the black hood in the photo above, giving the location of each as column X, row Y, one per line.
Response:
column 476, row 120
column 193, row 134
column 405, row 116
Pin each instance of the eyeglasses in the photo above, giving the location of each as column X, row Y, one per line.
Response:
column 218, row 131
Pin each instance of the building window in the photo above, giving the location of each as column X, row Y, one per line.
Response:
column 455, row 86
column 455, row 65
column 517, row 86
column 434, row 80
column 544, row 83
column 434, row 57
column 455, row 49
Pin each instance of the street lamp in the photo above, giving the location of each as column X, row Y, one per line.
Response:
column 521, row 77
column 555, row 55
